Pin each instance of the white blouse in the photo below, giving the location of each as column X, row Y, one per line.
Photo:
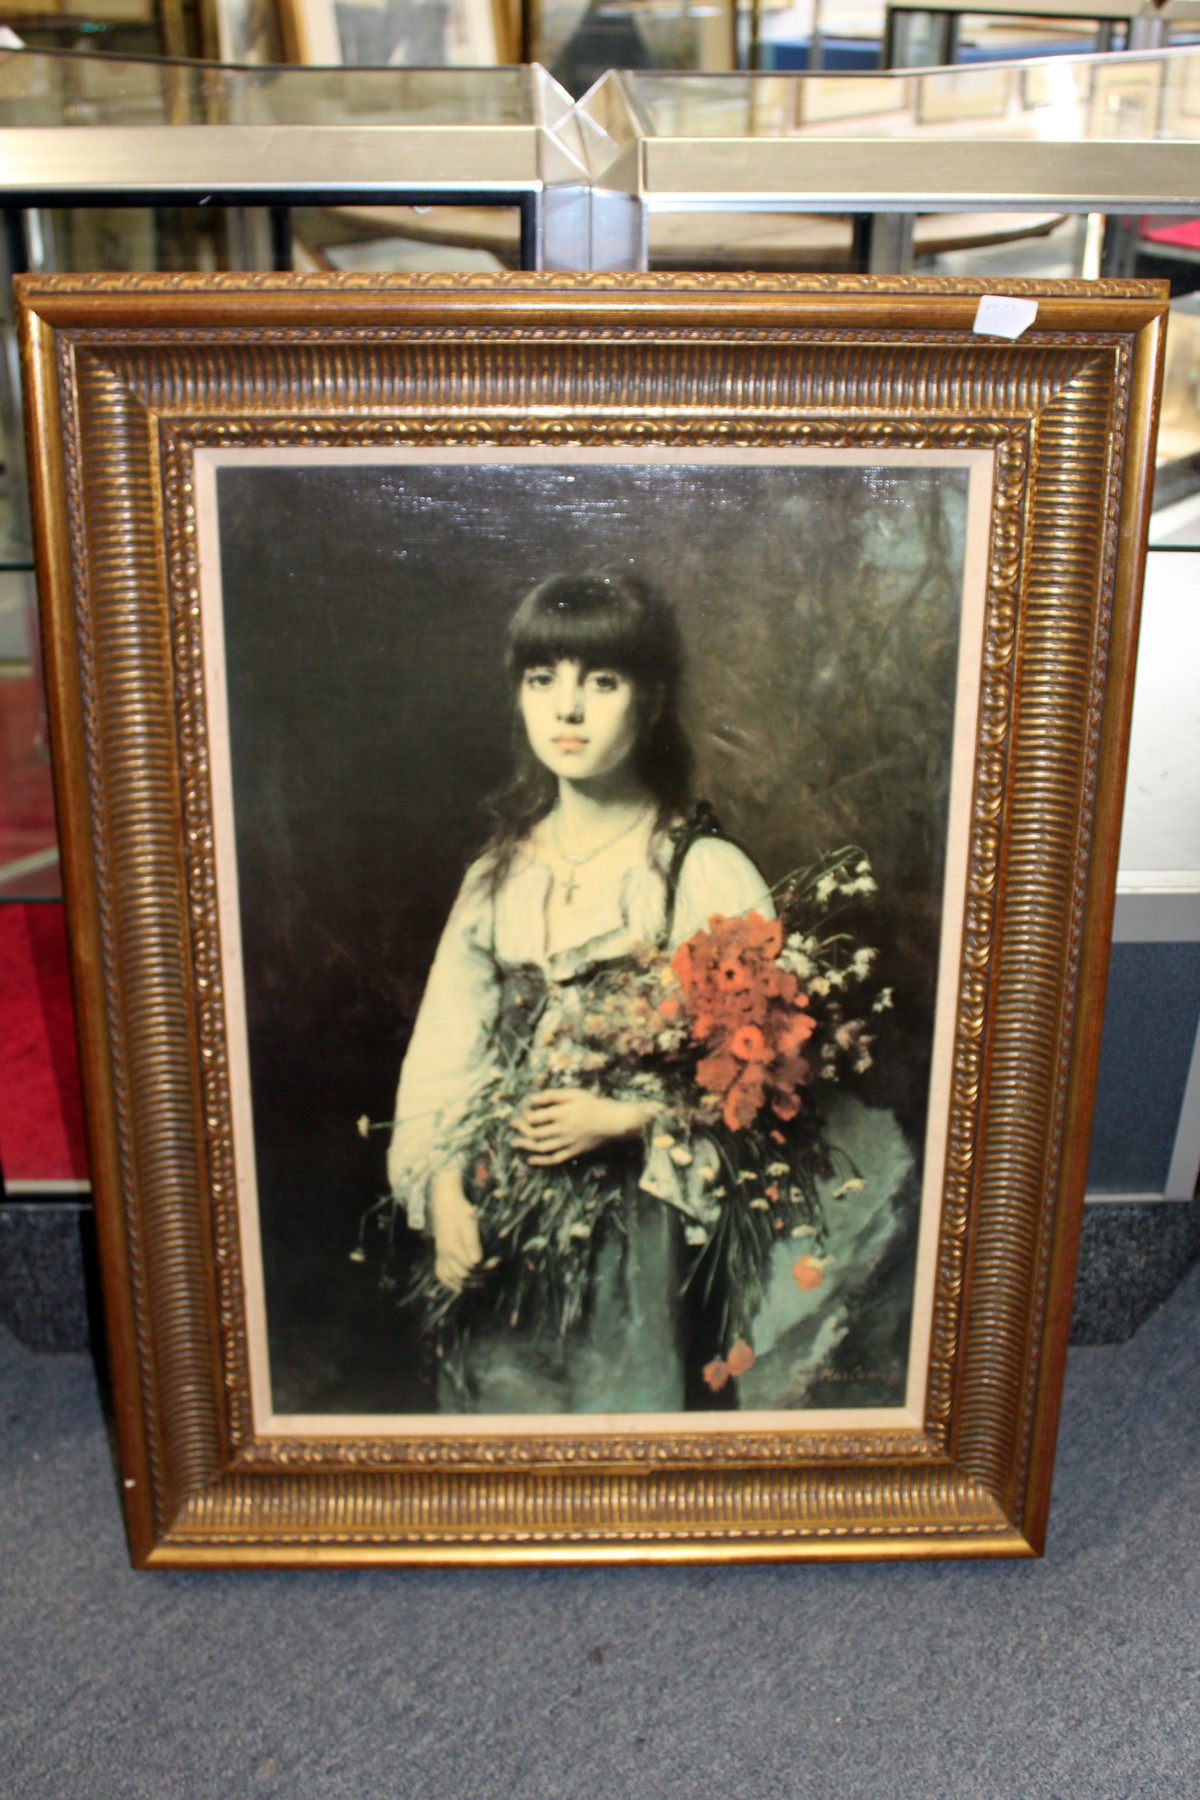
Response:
column 450, row 1057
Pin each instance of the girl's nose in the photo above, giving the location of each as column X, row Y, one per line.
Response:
column 570, row 701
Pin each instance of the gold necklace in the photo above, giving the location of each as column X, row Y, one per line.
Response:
column 570, row 886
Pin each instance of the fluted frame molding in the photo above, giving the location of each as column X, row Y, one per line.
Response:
column 127, row 377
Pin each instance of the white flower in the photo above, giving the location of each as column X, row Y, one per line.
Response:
column 695, row 1234
column 760, row 1206
column 358, row 1254
column 818, row 985
column 823, row 892
column 853, row 1186
column 680, row 1156
column 777, row 1168
column 362, row 1125
column 861, row 964
column 747, row 1175
column 708, row 1173
column 803, row 1231
column 866, row 884
column 580, row 1231
column 863, row 867
column 883, row 1001
column 662, row 1140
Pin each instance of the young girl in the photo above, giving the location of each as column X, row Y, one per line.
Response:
column 597, row 868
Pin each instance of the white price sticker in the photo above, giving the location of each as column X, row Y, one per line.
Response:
column 1004, row 315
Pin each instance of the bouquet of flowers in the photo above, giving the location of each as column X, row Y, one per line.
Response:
column 729, row 1039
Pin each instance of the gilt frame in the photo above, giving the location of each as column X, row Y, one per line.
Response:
column 126, row 377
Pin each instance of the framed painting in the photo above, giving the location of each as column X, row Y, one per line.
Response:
column 243, row 32
column 382, row 34
column 589, row 810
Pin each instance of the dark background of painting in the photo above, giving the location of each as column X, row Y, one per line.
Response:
column 364, row 617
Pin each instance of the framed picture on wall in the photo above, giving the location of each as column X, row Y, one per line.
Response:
column 246, row 32
column 590, row 813
column 422, row 34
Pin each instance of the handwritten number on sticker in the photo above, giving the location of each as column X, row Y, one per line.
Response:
column 1004, row 315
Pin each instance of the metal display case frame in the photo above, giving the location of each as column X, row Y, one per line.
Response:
column 768, row 157
column 205, row 135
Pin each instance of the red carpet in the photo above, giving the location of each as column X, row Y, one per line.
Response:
column 41, row 1116
column 28, row 869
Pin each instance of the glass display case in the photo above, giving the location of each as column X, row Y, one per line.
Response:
column 1070, row 166
column 105, row 132
column 921, row 32
column 1078, row 135
column 1051, row 167
column 124, row 163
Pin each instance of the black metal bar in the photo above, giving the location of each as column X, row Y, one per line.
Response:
column 281, row 237
column 151, row 197
column 529, row 232
column 16, row 252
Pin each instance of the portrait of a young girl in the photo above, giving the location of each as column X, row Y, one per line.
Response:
column 589, row 1187
column 589, row 842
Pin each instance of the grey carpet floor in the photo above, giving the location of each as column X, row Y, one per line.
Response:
column 1075, row 1676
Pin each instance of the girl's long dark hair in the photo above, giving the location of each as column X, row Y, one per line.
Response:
column 602, row 621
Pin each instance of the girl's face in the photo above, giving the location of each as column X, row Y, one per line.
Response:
column 582, row 723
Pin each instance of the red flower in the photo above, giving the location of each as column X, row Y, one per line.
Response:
column 807, row 1273
column 744, row 1100
column 716, row 1374
column 796, row 1029
column 748, row 1044
column 731, row 975
column 748, row 1014
column 716, row 1074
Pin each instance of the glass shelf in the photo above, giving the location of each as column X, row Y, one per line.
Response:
column 100, row 130
column 69, row 89
column 1049, row 167
column 1081, row 134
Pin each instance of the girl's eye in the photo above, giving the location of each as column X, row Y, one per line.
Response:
column 538, row 678
column 606, row 681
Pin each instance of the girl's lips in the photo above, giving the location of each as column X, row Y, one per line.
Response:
column 570, row 743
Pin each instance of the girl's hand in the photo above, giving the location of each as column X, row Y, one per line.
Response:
column 456, row 1246
column 567, row 1122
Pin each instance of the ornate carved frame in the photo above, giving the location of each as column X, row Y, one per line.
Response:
column 126, row 377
